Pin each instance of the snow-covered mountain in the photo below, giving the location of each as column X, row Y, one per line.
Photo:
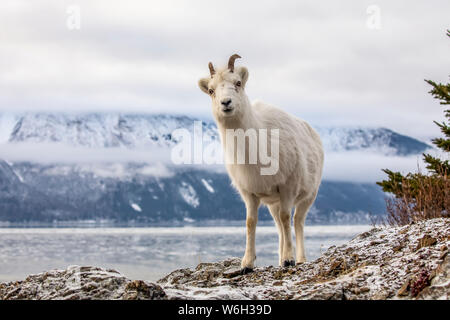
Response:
column 97, row 130
column 31, row 191
column 380, row 140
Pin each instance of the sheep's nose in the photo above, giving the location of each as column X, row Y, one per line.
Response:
column 226, row 102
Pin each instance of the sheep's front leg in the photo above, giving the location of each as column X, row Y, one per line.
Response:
column 285, row 219
column 288, row 252
column 252, row 204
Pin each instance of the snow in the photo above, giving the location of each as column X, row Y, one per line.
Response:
column 7, row 124
column 346, row 139
column 207, row 186
column 80, row 283
column 18, row 176
column 98, row 130
column 373, row 265
column 136, row 207
column 189, row 195
column 101, row 130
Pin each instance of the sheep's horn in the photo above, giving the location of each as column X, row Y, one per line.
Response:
column 231, row 61
column 211, row 69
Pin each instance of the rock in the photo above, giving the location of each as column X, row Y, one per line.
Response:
column 232, row 272
column 77, row 283
column 364, row 289
column 426, row 241
column 364, row 268
column 439, row 287
column 404, row 290
column 380, row 295
column 139, row 290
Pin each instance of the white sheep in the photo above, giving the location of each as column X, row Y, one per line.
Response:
column 300, row 159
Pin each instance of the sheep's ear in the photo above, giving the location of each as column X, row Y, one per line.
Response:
column 243, row 73
column 203, row 84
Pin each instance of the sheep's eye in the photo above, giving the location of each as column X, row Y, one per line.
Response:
column 211, row 91
column 238, row 84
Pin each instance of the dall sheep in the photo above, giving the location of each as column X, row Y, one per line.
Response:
column 300, row 160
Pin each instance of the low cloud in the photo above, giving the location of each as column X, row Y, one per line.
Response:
column 366, row 166
column 60, row 153
column 353, row 166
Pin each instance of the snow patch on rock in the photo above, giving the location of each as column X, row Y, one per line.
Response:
column 80, row 283
column 136, row 207
column 408, row 262
column 189, row 195
column 208, row 186
column 376, row 264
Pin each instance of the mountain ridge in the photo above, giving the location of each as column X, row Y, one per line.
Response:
column 102, row 130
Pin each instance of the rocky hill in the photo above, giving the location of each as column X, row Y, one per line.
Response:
column 409, row 262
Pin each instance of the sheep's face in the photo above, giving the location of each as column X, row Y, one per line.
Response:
column 226, row 90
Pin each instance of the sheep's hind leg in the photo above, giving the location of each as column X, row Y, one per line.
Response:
column 286, row 204
column 288, row 255
column 301, row 210
column 252, row 204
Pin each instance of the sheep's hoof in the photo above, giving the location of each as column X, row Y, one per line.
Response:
column 288, row 263
column 246, row 270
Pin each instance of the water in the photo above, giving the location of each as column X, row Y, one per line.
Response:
column 147, row 253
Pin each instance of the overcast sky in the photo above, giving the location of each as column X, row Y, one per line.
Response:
column 328, row 62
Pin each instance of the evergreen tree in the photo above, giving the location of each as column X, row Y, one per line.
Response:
column 412, row 186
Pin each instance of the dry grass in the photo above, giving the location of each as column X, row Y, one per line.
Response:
column 425, row 197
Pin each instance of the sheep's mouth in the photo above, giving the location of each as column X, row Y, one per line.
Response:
column 228, row 110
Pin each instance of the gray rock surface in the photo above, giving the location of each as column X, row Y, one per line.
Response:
column 409, row 262
column 76, row 283
column 384, row 263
